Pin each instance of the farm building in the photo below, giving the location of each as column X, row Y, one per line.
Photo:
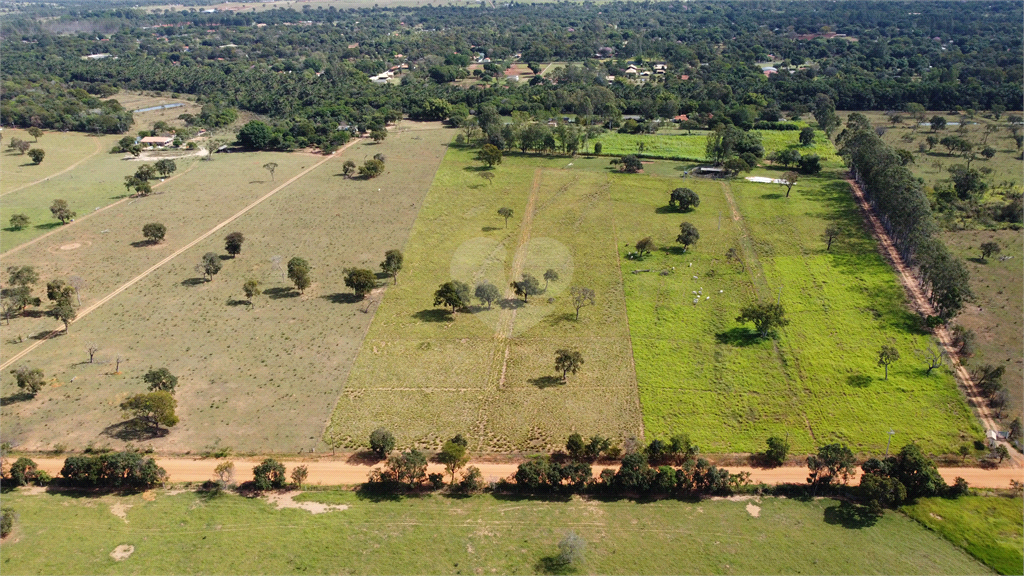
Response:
column 157, row 141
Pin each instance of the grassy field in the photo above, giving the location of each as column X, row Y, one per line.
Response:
column 680, row 145
column 133, row 100
column 255, row 380
column 988, row 528
column 185, row 533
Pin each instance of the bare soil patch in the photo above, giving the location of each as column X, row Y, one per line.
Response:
column 287, row 500
column 122, row 552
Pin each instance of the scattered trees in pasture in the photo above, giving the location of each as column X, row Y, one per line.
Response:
column 688, row 235
column 766, row 316
column 92, row 348
column 490, row 155
column 233, row 243
column 154, row 232
column 371, row 168
column 832, row 463
column 268, row 475
column 348, row 168
column 505, row 213
column 550, row 275
column 35, row 133
column 379, row 135
column 165, row 167
column 989, row 248
column 272, row 167
column 299, row 475
column 832, row 231
column 789, row 179
column 361, row 281
column 251, row 289
column 209, row 266
column 452, row 293
column 30, row 380
column 19, row 221
column 60, row 210
column 644, row 246
column 453, row 455
column 487, row 293
column 526, row 287
column 161, row 379
column 298, row 273
column 568, row 360
column 148, row 412
column 382, row 442
column 37, row 155
column 392, row 263
column 581, row 297
column 887, row 356
column 683, row 199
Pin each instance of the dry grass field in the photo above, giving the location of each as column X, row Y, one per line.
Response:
column 133, row 100
column 255, row 380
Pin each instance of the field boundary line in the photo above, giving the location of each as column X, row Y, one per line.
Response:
column 507, row 321
column 917, row 296
column 65, row 226
column 629, row 332
column 84, row 312
column 68, row 169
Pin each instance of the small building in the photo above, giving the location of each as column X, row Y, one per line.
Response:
column 680, row 118
column 992, row 438
column 159, row 141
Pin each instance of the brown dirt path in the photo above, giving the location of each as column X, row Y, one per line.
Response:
column 333, row 472
column 920, row 301
column 55, row 174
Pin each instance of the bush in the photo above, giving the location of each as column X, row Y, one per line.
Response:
column 436, row 480
column 6, row 521
column 113, row 470
column 23, row 471
column 268, row 474
column 778, row 449
column 472, row 481
column 382, row 442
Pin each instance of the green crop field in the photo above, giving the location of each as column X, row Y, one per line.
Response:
column 256, row 380
column 185, row 533
column 988, row 528
column 683, row 145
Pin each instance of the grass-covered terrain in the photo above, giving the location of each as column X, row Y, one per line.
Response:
column 988, row 528
column 256, row 380
column 185, row 533
column 690, row 145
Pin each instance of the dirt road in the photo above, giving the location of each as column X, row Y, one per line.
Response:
column 331, row 472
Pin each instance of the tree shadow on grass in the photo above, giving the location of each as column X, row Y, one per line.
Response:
column 738, row 336
column 364, row 458
column 477, row 168
column 342, row 298
column 849, row 515
column 559, row 319
column 859, row 380
column 773, row 196
column 48, row 226
column 510, row 303
column 543, row 382
column 280, row 292
column 670, row 210
column 132, row 431
column 233, row 302
column 673, row 250
column 977, row 260
column 16, row 397
column 193, row 281
column 141, row 243
column 433, row 315
column 226, row 257
column 489, row 229
column 552, row 565
column 43, row 335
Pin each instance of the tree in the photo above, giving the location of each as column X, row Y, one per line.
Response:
column 392, row 263
column 151, row 411
column 526, row 287
column 61, row 212
column 154, row 232
column 161, row 379
column 35, row 133
column 30, row 380
column 272, row 166
column 810, row 164
column 21, row 145
column 490, row 155
column 567, row 360
column 92, row 348
column 644, row 246
column 550, row 275
column 165, row 167
column 298, row 273
column 64, row 311
column 251, row 288
column 766, row 316
column 989, row 248
column 299, row 474
column 832, row 231
column 37, row 155
column 23, row 471
column 19, row 221
column 505, row 213
column 933, row 357
column 371, row 168
column 631, row 164
column 256, row 135
column 361, row 281
column 348, row 168
column 209, row 266
column 806, row 136
column 487, row 293
column 1002, row 452
column 225, row 472
column 233, row 243
column 452, row 293
column 688, row 235
column 571, row 550
column 788, row 180
column 777, row 450
column 409, row 468
column 887, row 355
column 937, row 123
column 683, row 199
column 268, row 474
column 453, row 456
column 581, row 296
column 832, row 462
column 382, row 442
column 378, row 135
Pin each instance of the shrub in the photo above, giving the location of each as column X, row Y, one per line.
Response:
column 268, row 474
column 113, row 470
column 382, row 442
column 6, row 521
column 23, row 471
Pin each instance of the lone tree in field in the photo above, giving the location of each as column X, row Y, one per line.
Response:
column 151, row 411
column 160, row 379
column 832, row 232
column 645, row 246
column 505, row 213
column 348, row 168
column 154, row 232
column 37, row 155
column 567, row 360
column 30, row 380
column 233, row 243
column 453, row 293
column 298, row 273
column 19, row 221
column 20, row 297
column 392, row 263
column 453, row 456
column 933, row 356
column 789, row 179
column 688, row 235
column 988, row 249
column 251, row 288
column 526, row 287
column 361, row 281
column 35, row 133
column 571, row 551
column 631, row 164
column 489, row 154
column 766, row 316
column 683, row 199
column 581, row 296
column 63, row 308
column 806, row 136
column 272, row 166
column 92, row 348
column 487, row 293
column 550, row 275
column 371, row 168
column 209, row 266
column 382, row 442
column 379, row 135
column 61, row 212
column 887, row 355
column 165, row 167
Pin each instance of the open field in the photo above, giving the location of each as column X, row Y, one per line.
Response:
column 185, row 533
column 680, row 145
column 133, row 100
column 988, row 528
column 256, row 380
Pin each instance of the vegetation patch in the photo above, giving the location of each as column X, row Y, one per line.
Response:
column 988, row 528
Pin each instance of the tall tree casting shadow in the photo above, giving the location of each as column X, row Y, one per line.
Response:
column 133, row 431
column 849, row 515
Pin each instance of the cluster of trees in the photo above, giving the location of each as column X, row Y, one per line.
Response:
column 288, row 135
column 140, row 181
column 988, row 379
column 127, row 470
column 18, row 295
column 147, row 412
column 58, row 106
column 370, row 169
column 906, row 214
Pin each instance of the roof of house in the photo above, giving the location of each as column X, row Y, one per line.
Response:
column 157, row 139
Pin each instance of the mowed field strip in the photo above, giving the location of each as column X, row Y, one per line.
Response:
column 172, row 318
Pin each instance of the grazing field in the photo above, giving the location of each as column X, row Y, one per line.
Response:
column 681, row 145
column 264, row 379
column 187, row 533
column 988, row 528
column 132, row 100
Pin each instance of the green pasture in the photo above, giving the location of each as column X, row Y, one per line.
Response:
column 260, row 380
column 65, row 533
column 987, row 527
column 684, row 145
